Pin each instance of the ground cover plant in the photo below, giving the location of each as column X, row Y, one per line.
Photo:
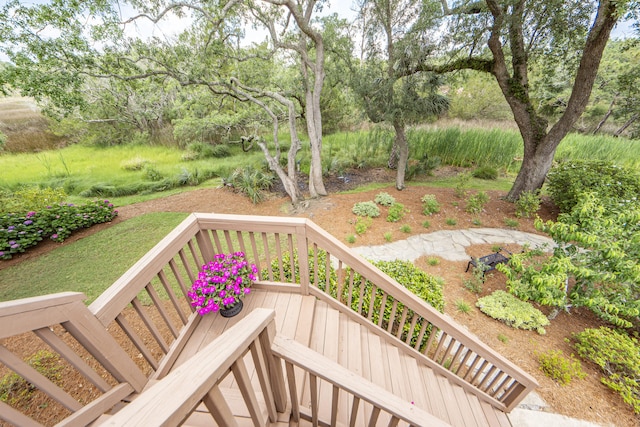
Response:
column 516, row 313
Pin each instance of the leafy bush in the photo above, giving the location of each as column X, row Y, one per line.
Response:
column 362, row 224
column 396, row 212
column 568, row 180
column 559, row 368
column 475, row 203
column 462, row 183
column 20, row 232
column 152, row 173
column 512, row 311
column 369, row 209
column 485, row 172
column 384, row 199
column 429, row 204
column 619, row 357
column 251, row 182
column 31, row 199
column 527, row 204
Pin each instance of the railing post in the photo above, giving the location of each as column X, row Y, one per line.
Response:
column 276, row 374
column 303, row 258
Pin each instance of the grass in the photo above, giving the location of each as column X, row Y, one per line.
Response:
column 90, row 265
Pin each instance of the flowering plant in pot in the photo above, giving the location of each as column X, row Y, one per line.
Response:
column 222, row 283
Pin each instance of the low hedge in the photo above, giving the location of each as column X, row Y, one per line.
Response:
column 18, row 232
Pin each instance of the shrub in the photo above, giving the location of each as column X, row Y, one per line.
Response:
column 405, row 228
column 527, row 204
column 618, row 355
column 384, row 199
column 135, row 164
column 351, row 238
column 559, row 368
column 20, row 232
column 485, row 172
column 429, row 204
column 396, row 212
column 568, row 180
column 31, row 199
column 462, row 183
column 512, row 311
column 511, row 223
column 426, row 224
column 388, row 236
column 152, row 173
column 251, row 182
column 451, row 221
column 476, row 203
column 369, row 209
column 362, row 224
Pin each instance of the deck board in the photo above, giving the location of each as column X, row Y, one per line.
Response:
column 322, row 328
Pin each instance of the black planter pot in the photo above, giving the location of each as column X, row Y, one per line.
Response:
column 231, row 311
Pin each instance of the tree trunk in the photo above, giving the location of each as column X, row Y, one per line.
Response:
column 392, row 163
column 627, row 124
column 289, row 183
column 537, row 160
column 403, row 153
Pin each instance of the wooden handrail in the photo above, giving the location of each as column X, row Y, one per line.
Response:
column 172, row 399
column 348, row 382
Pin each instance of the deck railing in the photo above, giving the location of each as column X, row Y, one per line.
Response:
column 176, row 397
column 296, row 255
column 293, row 255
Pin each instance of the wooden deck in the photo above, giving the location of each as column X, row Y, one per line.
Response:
column 363, row 351
column 324, row 339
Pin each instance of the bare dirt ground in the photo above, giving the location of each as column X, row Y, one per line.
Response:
column 586, row 399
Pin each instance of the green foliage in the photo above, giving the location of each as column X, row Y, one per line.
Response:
column 451, row 221
column 511, row 223
column 427, row 287
column 512, row 311
column 503, row 338
column 462, row 306
column 384, row 199
column 429, row 204
column 203, row 150
column 350, row 238
column 3, row 141
column 92, row 263
column 527, row 204
column 559, row 368
column 475, row 282
column 135, row 164
column 396, row 212
column 369, row 209
column 568, row 180
column 152, row 173
column 598, row 246
column 476, row 202
column 388, row 236
column 433, row 261
column 30, row 199
column 18, row 232
column 485, row 172
column 17, row 392
column 251, row 182
column 618, row 355
column 405, row 228
column 426, row 224
column 462, row 184
column 363, row 223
